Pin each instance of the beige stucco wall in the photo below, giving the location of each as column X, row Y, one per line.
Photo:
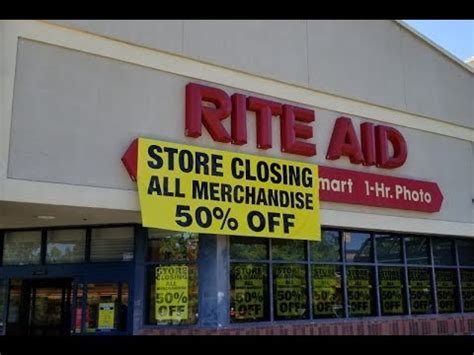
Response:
column 379, row 62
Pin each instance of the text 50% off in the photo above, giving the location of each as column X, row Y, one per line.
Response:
column 256, row 220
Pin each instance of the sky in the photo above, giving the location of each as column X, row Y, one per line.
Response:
column 456, row 36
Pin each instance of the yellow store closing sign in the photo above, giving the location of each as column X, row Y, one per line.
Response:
column 249, row 290
column 171, row 293
column 194, row 189
column 289, row 295
column 106, row 316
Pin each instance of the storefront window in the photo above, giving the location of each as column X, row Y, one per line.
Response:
column 270, row 279
column 466, row 252
column 358, row 247
column 327, row 291
column 47, row 308
column 417, row 250
column 14, row 311
column 389, row 249
column 419, row 283
column 328, row 249
column 249, row 292
column 165, row 245
column 446, row 291
column 274, row 286
column 290, row 291
column 106, row 311
column 173, row 294
column 392, row 290
column 288, row 250
column 112, row 244
column 22, row 248
column 250, row 297
column 443, row 251
column 172, row 276
column 243, row 248
column 360, row 293
column 66, row 246
column 467, row 289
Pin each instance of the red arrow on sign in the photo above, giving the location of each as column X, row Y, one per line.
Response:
column 130, row 159
column 353, row 187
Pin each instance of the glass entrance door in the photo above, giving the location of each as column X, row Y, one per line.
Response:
column 50, row 307
column 101, row 308
column 40, row 307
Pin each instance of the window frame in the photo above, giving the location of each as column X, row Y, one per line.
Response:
column 307, row 262
column 64, row 263
column 5, row 293
column 458, row 260
column 375, row 264
column 87, row 248
column 148, row 265
column 83, row 286
column 42, row 246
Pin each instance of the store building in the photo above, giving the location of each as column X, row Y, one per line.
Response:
column 384, row 115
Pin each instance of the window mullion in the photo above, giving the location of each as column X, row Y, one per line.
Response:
column 406, row 281
column 309, row 279
column 378, row 308
column 44, row 243
column 458, row 277
column 344, row 274
column 434, row 291
column 270, row 279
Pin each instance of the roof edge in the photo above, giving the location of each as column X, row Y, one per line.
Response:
column 468, row 60
column 435, row 46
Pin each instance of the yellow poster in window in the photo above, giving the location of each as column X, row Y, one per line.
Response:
column 420, row 290
column 467, row 287
column 359, row 290
column 326, row 281
column 194, row 189
column 106, row 316
column 249, row 291
column 391, row 290
column 171, row 293
column 290, row 287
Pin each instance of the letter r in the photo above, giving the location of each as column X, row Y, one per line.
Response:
column 197, row 114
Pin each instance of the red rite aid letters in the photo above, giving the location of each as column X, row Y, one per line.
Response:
column 374, row 149
column 294, row 120
column 369, row 145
